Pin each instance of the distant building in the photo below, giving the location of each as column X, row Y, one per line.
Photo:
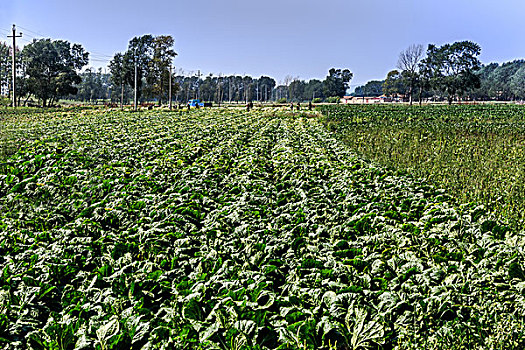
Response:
column 364, row 100
column 347, row 99
column 370, row 99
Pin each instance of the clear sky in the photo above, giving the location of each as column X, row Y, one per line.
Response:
column 301, row 38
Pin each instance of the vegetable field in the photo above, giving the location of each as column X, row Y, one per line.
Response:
column 223, row 229
column 475, row 152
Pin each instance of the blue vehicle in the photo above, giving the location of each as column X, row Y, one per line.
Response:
column 195, row 103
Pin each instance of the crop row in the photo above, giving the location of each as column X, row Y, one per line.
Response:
column 475, row 152
column 232, row 230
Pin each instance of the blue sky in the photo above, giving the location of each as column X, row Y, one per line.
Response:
column 301, row 38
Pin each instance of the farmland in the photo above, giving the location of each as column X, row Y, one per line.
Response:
column 222, row 229
column 475, row 152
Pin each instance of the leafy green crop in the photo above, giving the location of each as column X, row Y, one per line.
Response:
column 223, row 229
column 475, row 152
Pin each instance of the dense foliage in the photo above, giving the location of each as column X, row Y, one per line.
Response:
column 147, row 64
column 232, row 230
column 337, row 82
column 50, row 68
column 450, row 68
column 5, row 65
column 502, row 82
column 476, row 152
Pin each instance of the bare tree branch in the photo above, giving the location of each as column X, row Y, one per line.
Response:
column 409, row 59
column 408, row 63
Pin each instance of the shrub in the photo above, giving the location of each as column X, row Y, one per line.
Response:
column 333, row 99
column 5, row 102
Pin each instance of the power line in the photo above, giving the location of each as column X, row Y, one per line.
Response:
column 31, row 31
column 100, row 58
column 100, row 54
column 28, row 35
column 26, row 41
column 96, row 55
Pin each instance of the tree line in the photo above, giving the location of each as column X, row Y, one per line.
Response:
column 149, row 59
column 51, row 69
column 217, row 88
column 449, row 72
column 46, row 69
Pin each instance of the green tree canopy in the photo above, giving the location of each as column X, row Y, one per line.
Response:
column 314, row 89
column 485, row 74
column 117, row 70
column 373, row 88
column 159, row 67
column 266, row 86
column 502, row 77
column 139, row 55
column 296, row 90
column 5, row 65
column 94, row 86
column 517, row 83
column 394, row 83
column 337, row 82
column 451, row 68
column 51, row 67
column 152, row 57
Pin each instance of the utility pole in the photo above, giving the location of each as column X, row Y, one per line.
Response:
column 121, row 87
column 199, row 85
column 230, row 91
column 219, row 86
column 170, row 88
column 135, row 97
column 14, row 36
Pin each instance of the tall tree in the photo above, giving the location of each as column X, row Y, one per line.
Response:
column 337, row 82
column 52, row 68
column 95, row 85
column 394, row 83
column 485, row 74
column 296, row 89
column 139, row 55
column 451, row 68
column 517, row 83
column 6, row 72
column 159, row 66
column 281, row 93
column 247, row 86
column 408, row 63
column 286, row 82
column 372, row 88
column 501, row 78
column 266, row 86
column 5, row 65
column 314, row 90
column 208, row 88
column 118, row 71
